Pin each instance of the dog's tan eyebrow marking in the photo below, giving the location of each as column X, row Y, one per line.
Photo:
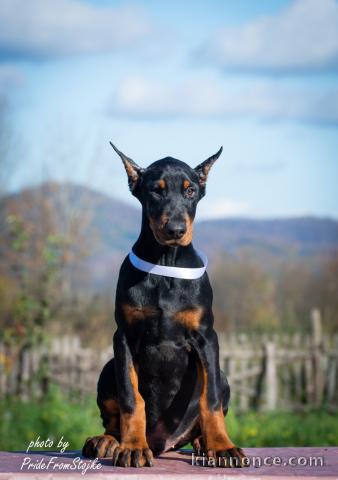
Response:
column 190, row 317
column 186, row 184
column 162, row 184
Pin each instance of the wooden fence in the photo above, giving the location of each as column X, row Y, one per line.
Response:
column 291, row 372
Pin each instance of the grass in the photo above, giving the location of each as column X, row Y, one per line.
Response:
column 54, row 416
column 75, row 419
column 283, row 429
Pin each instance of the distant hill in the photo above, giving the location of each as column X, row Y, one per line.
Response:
column 115, row 226
column 289, row 237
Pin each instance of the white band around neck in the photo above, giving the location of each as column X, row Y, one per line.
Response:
column 175, row 272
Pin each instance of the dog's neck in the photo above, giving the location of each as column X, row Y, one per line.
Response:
column 148, row 248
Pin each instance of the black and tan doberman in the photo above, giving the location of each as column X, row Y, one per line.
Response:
column 164, row 387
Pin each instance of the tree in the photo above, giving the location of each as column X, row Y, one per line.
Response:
column 243, row 296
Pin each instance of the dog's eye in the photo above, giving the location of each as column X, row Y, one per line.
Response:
column 189, row 192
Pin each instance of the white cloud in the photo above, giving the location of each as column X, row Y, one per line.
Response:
column 222, row 207
column 44, row 28
column 302, row 37
column 9, row 76
column 137, row 97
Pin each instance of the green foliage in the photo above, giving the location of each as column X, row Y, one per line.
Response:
column 17, row 231
column 75, row 419
column 35, row 263
column 54, row 416
column 282, row 429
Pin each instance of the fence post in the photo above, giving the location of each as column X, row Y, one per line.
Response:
column 317, row 344
column 271, row 376
column 332, row 390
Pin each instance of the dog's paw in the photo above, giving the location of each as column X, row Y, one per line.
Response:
column 233, row 457
column 133, row 457
column 100, row 446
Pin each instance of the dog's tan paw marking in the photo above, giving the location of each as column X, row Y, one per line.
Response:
column 233, row 457
column 100, row 446
column 133, row 457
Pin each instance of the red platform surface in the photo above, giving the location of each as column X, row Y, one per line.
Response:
column 312, row 463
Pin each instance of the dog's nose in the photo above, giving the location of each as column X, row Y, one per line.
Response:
column 176, row 229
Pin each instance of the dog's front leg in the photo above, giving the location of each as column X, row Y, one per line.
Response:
column 215, row 437
column 133, row 450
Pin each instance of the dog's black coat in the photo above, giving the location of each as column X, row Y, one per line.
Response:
column 164, row 328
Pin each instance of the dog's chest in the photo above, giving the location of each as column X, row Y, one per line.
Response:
column 167, row 302
column 168, row 293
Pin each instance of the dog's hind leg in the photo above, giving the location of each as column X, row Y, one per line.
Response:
column 105, row 445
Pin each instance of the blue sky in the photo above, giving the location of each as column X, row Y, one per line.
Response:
column 180, row 79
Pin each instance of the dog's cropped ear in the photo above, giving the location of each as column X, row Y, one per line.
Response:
column 203, row 169
column 134, row 172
